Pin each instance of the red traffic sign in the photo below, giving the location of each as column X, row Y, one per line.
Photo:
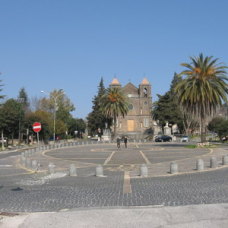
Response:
column 36, row 127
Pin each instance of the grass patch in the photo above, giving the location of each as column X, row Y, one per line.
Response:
column 191, row 146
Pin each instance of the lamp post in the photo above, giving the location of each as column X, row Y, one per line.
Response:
column 55, row 108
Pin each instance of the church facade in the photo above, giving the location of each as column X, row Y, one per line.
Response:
column 138, row 123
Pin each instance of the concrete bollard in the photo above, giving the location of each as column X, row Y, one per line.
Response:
column 99, row 171
column 51, row 168
column 225, row 160
column 173, row 168
column 143, row 170
column 213, row 162
column 34, row 164
column 72, row 171
column 199, row 165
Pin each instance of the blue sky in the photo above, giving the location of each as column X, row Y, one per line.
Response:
column 71, row 44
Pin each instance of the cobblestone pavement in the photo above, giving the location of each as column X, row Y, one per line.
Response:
column 24, row 191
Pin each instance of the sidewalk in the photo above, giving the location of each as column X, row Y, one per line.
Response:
column 196, row 216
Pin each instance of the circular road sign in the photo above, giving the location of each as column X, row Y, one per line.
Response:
column 36, row 127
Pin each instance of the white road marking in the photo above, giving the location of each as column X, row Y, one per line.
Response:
column 145, row 158
column 109, row 158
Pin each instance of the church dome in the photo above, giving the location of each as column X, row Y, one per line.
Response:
column 115, row 82
column 145, row 82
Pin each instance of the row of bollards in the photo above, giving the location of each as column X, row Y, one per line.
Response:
column 200, row 164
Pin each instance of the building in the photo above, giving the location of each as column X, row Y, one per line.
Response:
column 138, row 122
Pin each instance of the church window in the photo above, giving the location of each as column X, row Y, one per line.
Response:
column 146, row 122
column 130, row 106
column 145, row 92
column 145, row 103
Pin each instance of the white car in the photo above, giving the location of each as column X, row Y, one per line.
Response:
column 184, row 139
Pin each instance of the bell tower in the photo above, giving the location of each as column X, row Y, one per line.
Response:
column 145, row 89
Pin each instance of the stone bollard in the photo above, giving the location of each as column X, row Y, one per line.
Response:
column 199, row 165
column 225, row 160
column 28, row 162
column 143, row 170
column 173, row 168
column 72, row 171
column 34, row 164
column 99, row 171
column 213, row 162
column 51, row 168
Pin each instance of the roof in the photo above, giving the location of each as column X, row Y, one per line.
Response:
column 115, row 82
column 145, row 82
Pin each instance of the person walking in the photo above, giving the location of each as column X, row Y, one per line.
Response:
column 125, row 141
column 118, row 142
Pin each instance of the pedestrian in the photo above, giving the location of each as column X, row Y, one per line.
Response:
column 118, row 142
column 125, row 141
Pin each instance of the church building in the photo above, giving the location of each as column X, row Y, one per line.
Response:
column 137, row 124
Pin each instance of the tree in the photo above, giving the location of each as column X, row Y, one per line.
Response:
column 219, row 125
column 60, row 106
column 76, row 127
column 23, row 98
column 23, row 108
column 167, row 107
column 10, row 115
column 2, row 124
column 44, row 118
column 203, row 88
column 96, row 119
column 114, row 103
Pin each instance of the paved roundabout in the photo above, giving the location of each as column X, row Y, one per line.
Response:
column 125, row 158
column 23, row 190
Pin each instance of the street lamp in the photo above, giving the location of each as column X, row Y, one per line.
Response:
column 55, row 107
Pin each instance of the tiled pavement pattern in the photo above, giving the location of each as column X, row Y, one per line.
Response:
column 22, row 191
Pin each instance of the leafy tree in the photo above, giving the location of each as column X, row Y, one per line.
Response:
column 219, row 125
column 167, row 107
column 44, row 118
column 10, row 114
column 96, row 119
column 60, row 106
column 203, row 88
column 76, row 125
column 113, row 104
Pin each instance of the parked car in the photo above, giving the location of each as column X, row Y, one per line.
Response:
column 163, row 138
column 184, row 139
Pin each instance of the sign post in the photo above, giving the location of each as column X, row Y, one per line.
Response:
column 37, row 128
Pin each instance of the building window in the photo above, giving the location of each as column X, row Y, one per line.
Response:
column 130, row 106
column 145, row 92
column 146, row 122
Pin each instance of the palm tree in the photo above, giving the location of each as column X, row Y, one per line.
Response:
column 113, row 104
column 203, row 88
